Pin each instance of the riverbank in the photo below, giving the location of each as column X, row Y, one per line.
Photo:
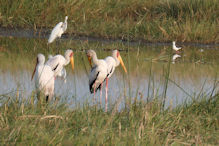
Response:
column 157, row 21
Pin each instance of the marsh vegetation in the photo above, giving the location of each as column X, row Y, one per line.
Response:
column 160, row 101
column 161, row 20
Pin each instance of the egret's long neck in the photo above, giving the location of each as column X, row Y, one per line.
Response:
column 66, row 21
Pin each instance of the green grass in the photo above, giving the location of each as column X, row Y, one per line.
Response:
column 142, row 123
column 161, row 20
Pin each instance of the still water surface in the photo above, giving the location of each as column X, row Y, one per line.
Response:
column 192, row 75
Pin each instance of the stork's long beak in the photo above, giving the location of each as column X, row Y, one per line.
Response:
column 72, row 62
column 89, row 59
column 34, row 72
column 122, row 63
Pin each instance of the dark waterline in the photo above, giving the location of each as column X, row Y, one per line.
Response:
column 44, row 33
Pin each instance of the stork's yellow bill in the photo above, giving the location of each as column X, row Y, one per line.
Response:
column 72, row 62
column 122, row 63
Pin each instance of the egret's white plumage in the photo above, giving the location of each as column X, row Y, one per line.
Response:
column 58, row 30
column 44, row 77
column 98, row 72
column 58, row 62
column 176, row 48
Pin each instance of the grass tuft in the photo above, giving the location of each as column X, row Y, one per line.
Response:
column 142, row 123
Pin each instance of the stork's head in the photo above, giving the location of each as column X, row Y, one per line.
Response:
column 174, row 42
column 90, row 54
column 69, row 55
column 116, row 55
column 40, row 59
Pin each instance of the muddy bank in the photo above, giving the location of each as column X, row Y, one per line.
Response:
column 45, row 32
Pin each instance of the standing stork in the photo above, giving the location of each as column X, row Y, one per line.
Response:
column 112, row 62
column 58, row 30
column 58, row 62
column 98, row 72
column 44, row 78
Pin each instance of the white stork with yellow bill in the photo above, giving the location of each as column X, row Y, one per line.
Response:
column 44, row 77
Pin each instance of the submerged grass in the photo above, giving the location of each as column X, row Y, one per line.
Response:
column 142, row 123
column 161, row 20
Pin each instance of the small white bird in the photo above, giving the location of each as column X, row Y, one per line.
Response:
column 58, row 30
column 58, row 62
column 176, row 48
column 112, row 62
column 44, row 78
column 98, row 72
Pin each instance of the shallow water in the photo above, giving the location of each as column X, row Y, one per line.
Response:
column 191, row 76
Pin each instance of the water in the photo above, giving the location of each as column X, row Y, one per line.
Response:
column 191, row 75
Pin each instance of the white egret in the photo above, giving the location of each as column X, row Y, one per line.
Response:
column 98, row 72
column 58, row 62
column 58, row 30
column 44, row 77
column 176, row 48
column 112, row 62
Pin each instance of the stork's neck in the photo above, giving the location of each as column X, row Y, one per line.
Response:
column 116, row 59
column 41, row 62
column 67, row 60
column 95, row 59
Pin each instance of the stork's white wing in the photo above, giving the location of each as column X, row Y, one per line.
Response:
column 111, row 63
column 97, row 75
column 56, row 63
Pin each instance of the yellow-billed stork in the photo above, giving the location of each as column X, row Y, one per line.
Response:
column 112, row 62
column 44, row 77
column 98, row 72
column 58, row 62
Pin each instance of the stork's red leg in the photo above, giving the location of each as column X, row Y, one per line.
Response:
column 94, row 91
column 106, row 94
column 101, row 86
